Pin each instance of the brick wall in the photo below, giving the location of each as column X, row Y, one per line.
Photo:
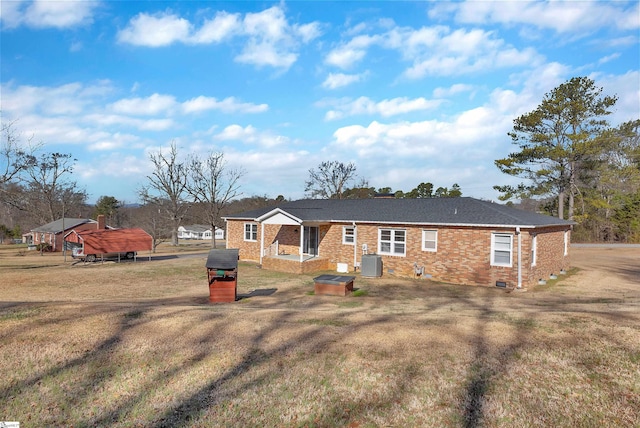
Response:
column 249, row 250
column 550, row 258
column 463, row 255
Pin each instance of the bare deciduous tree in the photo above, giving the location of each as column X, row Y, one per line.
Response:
column 49, row 191
column 167, row 187
column 213, row 185
column 14, row 161
column 329, row 180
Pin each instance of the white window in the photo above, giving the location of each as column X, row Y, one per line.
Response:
column 250, row 232
column 392, row 242
column 429, row 240
column 348, row 235
column 534, row 250
column 566, row 243
column 501, row 249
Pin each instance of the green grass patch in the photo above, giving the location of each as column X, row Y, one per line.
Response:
column 17, row 314
column 360, row 293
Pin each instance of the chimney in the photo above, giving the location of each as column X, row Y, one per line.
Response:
column 101, row 223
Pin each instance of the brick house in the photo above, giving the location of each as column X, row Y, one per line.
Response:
column 53, row 233
column 453, row 240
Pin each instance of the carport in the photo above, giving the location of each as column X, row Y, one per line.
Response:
column 109, row 241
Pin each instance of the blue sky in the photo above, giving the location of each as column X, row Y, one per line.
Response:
column 410, row 92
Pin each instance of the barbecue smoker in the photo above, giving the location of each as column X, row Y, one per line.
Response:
column 222, row 272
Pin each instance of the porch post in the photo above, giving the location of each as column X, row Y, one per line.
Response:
column 355, row 245
column 261, row 241
column 301, row 243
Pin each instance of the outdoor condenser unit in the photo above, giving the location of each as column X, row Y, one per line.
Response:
column 371, row 265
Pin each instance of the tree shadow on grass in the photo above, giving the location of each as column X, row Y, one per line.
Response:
column 262, row 292
column 258, row 363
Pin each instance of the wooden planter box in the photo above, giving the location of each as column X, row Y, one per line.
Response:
column 222, row 288
column 333, row 285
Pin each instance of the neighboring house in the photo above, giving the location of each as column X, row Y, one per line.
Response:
column 453, row 240
column 53, row 233
column 198, row 231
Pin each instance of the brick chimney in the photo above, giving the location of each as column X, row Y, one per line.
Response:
column 101, row 222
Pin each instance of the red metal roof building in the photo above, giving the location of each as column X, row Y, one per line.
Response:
column 111, row 240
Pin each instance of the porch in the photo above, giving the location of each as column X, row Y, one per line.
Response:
column 291, row 263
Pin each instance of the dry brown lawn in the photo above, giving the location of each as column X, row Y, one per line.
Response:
column 137, row 344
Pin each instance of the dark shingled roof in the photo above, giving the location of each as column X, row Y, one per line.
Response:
column 56, row 226
column 435, row 211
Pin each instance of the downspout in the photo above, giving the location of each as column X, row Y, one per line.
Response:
column 355, row 245
column 261, row 242
column 519, row 257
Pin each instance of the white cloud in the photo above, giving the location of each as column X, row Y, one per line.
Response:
column 385, row 108
column 157, row 30
column 270, row 24
column 619, row 42
column 114, row 165
column 308, row 32
column 464, row 52
column 47, row 14
column 102, row 120
column 114, row 141
column 452, row 90
column 18, row 101
column 348, row 54
column 627, row 89
column 608, row 58
column 228, row 105
column 345, row 57
column 261, row 54
column 271, row 172
column 436, row 51
column 149, row 106
column 223, row 26
column 251, row 135
column 560, row 16
column 269, row 39
column 340, row 80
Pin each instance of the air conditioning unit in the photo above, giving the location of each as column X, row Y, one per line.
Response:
column 371, row 265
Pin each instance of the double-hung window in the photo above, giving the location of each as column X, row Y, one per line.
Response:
column 501, row 249
column 392, row 242
column 348, row 235
column 429, row 240
column 250, row 232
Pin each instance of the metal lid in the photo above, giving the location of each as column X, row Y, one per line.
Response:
column 223, row 259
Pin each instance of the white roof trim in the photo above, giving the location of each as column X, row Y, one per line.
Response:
column 278, row 216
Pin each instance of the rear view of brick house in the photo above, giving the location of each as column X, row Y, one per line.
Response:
column 453, row 240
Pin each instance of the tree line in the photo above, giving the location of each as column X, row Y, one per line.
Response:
column 576, row 164
column 331, row 180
